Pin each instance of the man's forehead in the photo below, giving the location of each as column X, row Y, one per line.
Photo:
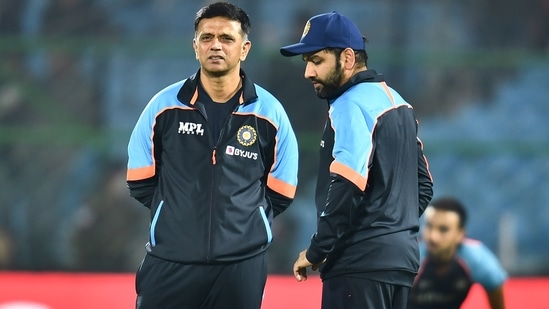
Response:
column 446, row 216
column 218, row 22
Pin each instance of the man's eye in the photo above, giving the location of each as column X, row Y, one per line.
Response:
column 443, row 229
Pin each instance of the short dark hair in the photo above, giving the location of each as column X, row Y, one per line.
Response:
column 361, row 57
column 224, row 9
column 451, row 204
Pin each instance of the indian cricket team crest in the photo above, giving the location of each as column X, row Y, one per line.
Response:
column 306, row 29
column 246, row 135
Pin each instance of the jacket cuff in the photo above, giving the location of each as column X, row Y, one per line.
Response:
column 314, row 254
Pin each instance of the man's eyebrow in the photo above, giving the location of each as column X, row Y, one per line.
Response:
column 213, row 32
column 310, row 57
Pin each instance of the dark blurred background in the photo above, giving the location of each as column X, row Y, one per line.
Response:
column 76, row 74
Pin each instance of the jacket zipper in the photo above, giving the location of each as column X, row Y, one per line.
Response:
column 214, row 163
column 212, row 190
column 201, row 110
column 212, row 198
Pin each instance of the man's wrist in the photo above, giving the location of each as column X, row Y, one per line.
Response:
column 314, row 255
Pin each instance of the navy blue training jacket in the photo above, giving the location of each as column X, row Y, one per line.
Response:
column 212, row 201
column 373, row 185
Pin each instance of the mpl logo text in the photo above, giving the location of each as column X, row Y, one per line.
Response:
column 190, row 128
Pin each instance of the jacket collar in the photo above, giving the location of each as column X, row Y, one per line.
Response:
column 360, row 77
column 188, row 93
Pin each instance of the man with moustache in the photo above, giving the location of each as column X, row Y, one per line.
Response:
column 373, row 181
column 214, row 157
column 452, row 263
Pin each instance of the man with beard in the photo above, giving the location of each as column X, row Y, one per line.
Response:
column 451, row 263
column 373, row 181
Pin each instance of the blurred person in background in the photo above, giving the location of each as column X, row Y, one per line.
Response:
column 373, row 180
column 451, row 263
column 215, row 159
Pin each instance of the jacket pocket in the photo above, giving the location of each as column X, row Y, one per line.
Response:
column 154, row 222
column 266, row 224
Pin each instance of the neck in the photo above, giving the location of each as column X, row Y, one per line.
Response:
column 221, row 88
column 359, row 69
column 348, row 74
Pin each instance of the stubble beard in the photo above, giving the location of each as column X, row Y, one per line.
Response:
column 442, row 256
column 332, row 82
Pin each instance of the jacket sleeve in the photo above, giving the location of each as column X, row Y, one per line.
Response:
column 425, row 180
column 279, row 202
column 282, row 176
column 348, row 178
column 143, row 190
column 342, row 202
column 142, row 163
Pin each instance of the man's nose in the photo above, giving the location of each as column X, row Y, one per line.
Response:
column 309, row 71
column 433, row 236
column 216, row 44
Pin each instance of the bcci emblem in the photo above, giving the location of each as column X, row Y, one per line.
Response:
column 306, row 29
column 246, row 135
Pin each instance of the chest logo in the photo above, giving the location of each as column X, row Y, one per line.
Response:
column 246, row 135
column 190, row 128
column 233, row 151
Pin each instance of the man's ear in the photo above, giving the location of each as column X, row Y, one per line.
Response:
column 246, row 46
column 348, row 57
column 195, row 47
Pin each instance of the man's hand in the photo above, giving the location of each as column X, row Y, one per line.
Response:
column 496, row 298
column 300, row 266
